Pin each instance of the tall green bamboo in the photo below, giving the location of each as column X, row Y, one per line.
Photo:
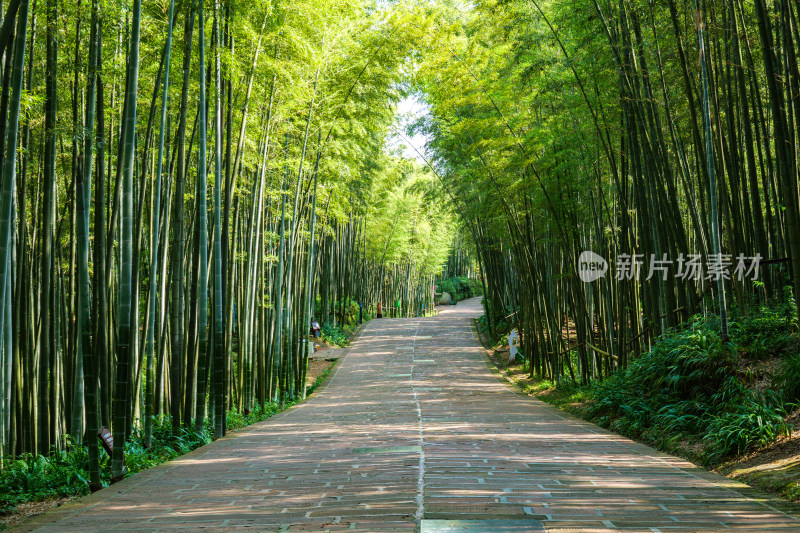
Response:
column 296, row 220
column 46, row 348
column 83, row 187
column 177, row 345
column 279, row 351
column 306, row 323
column 716, row 245
column 201, row 225
column 220, row 356
column 122, row 400
column 6, row 202
column 154, row 239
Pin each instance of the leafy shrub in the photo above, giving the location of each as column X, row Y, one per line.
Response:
column 502, row 329
column 166, row 444
column 756, row 420
column 236, row 420
column 688, row 387
column 460, row 288
column 334, row 335
column 36, row 477
column 765, row 347
column 769, row 331
column 685, row 366
column 765, row 323
column 347, row 311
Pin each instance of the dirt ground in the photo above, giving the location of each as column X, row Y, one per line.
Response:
column 317, row 366
column 27, row 510
column 322, row 359
column 774, row 469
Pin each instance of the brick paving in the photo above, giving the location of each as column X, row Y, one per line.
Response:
column 414, row 433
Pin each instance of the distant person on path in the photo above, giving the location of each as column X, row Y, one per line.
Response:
column 315, row 329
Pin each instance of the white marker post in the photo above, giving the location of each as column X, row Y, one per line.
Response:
column 513, row 342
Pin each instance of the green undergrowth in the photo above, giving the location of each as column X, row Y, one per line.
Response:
column 460, row 287
column 336, row 335
column 35, row 477
column 694, row 395
column 567, row 396
column 348, row 315
column 497, row 333
column 690, row 394
column 236, row 420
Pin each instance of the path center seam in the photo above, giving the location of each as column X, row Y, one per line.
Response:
column 420, row 439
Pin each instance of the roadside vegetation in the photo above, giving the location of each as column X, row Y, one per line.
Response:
column 460, row 287
column 342, row 322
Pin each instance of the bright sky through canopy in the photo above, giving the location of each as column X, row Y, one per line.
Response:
column 409, row 110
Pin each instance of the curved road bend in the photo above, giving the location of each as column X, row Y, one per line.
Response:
column 414, row 433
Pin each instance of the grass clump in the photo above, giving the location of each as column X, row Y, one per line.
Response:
column 768, row 332
column 688, row 393
column 35, row 477
column 334, row 335
column 237, row 420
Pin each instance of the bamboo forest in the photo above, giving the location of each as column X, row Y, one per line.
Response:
column 197, row 195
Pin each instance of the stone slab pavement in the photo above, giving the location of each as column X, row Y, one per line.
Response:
column 413, row 432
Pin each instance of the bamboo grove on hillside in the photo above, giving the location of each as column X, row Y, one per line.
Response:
column 663, row 129
column 185, row 184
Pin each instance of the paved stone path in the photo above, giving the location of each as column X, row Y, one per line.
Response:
column 414, row 433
